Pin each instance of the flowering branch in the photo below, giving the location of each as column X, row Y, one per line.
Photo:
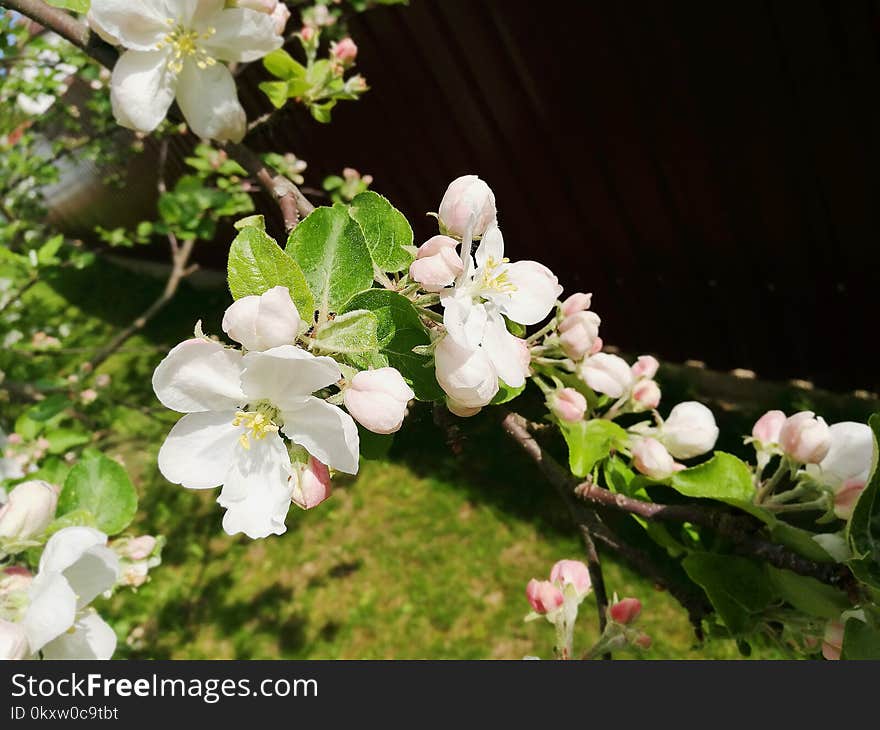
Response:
column 740, row 530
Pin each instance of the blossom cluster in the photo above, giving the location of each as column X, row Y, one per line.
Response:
column 48, row 613
column 264, row 420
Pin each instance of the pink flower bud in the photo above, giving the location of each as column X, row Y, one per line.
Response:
column 28, row 511
column 767, row 428
column 689, row 431
column 89, row 395
column 263, row 322
column 608, row 374
column 137, row 548
column 377, row 399
column 577, row 302
column 645, row 367
column 832, row 642
column 437, row 264
column 578, row 333
column 468, row 205
column 102, row 380
column 805, row 438
column 14, row 439
column 651, row 458
column 13, row 641
column 625, row 611
column 14, row 580
column 643, row 641
column 567, row 405
column 307, row 33
column 573, row 573
column 311, row 484
column 345, row 51
column 543, row 596
column 646, row 395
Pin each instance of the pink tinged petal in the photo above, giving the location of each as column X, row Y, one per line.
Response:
column 199, row 450
column 537, row 290
column 577, row 302
column 437, row 271
column 209, row 102
column 504, row 352
column 573, row 573
column 328, row 433
column 543, row 596
column 196, row 13
column 142, row 89
column 768, row 427
column 257, row 490
column 846, row 496
column 51, row 610
column 625, row 611
column 850, row 454
column 832, row 641
column 608, row 374
column 263, row 322
column 377, row 399
column 286, row 374
column 198, row 375
column 92, row 638
column 645, row 366
column 140, row 25
column 468, row 207
column 241, row 36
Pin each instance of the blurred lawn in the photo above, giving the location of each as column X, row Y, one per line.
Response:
column 423, row 556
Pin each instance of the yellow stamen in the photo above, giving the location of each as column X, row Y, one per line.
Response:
column 257, row 425
column 497, row 281
column 185, row 44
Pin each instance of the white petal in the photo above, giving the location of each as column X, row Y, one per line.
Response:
column 283, row 375
column 242, row 35
column 197, row 13
column 198, row 375
column 209, row 101
column 51, row 610
column 491, row 247
column 504, row 352
column 137, row 25
column 256, row 493
column 92, row 638
column 328, row 433
column 465, row 321
column 81, row 556
column 537, row 290
column 199, row 450
column 263, row 322
column 142, row 89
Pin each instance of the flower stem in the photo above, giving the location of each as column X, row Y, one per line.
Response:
column 767, row 488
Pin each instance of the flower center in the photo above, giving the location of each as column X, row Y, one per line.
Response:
column 258, row 423
column 494, row 279
column 184, row 44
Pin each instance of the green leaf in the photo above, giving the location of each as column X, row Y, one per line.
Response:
column 102, row 487
column 281, row 64
column 64, row 439
column 618, row 476
column 352, row 333
column 737, row 588
column 799, row 540
column 77, row 6
column 863, row 531
column 276, row 92
column 48, row 407
column 723, row 477
column 506, row 393
column 860, row 641
column 399, row 331
column 332, row 253
column 589, row 442
column 256, row 264
column 385, row 230
column 808, row 595
column 75, row 518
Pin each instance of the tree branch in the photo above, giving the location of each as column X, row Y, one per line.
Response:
column 741, row 530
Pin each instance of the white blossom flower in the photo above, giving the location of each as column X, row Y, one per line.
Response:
column 237, row 406
column 177, row 49
column 75, row 568
column 489, row 289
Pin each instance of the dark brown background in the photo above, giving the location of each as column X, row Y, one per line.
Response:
column 709, row 170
